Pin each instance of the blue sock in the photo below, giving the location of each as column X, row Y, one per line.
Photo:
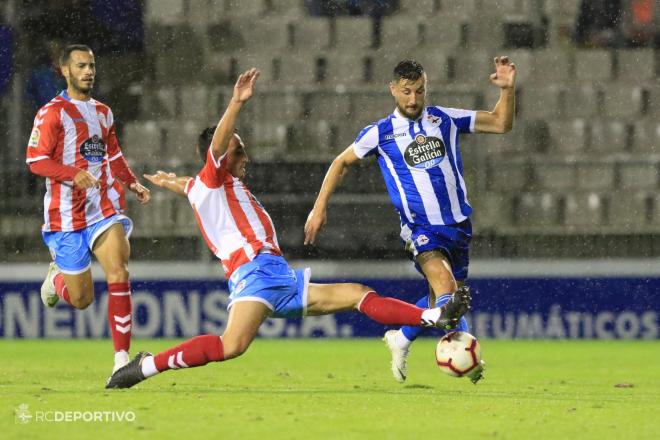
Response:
column 411, row 333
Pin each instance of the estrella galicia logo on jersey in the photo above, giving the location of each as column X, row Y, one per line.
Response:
column 93, row 149
column 425, row 152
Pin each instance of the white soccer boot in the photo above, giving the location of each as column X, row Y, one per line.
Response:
column 399, row 356
column 48, row 295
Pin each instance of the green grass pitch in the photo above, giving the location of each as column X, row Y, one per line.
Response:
column 342, row 389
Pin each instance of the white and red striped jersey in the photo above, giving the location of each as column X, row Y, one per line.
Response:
column 235, row 226
column 79, row 134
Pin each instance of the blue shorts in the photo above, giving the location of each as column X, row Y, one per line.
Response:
column 452, row 240
column 72, row 251
column 269, row 279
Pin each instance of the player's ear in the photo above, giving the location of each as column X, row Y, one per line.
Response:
column 393, row 88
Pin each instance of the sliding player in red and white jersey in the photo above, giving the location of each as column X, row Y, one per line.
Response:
column 239, row 231
column 74, row 146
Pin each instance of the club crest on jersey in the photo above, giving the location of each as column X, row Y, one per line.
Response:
column 422, row 240
column 240, row 286
column 34, row 138
column 93, row 149
column 424, row 152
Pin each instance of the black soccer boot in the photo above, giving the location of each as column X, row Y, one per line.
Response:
column 130, row 374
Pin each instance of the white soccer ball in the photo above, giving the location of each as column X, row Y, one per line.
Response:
column 457, row 353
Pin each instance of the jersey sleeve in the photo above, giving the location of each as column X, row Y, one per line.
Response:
column 45, row 132
column 366, row 142
column 114, row 151
column 463, row 119
column 215, row 170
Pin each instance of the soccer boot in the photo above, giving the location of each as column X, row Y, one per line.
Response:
column 477, row 373
column 48, row 295
column 130, row 374
column 452, row 311
column 399, row 356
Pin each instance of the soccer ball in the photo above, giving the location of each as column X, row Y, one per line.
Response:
column 458, row 353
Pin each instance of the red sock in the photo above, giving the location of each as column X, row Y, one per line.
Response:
column 60, row 288
column 195, row 352
column 119, row 314
column 389, row 311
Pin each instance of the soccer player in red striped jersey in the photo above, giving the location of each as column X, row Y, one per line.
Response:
column 74, row 146
column 239, row 231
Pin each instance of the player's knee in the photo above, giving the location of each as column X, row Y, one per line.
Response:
column 235, row 347
column 82, row 302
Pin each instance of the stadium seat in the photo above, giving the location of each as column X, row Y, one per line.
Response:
column 584, row 211
column 165, row 11
column 624, row 101
column 582, row 100
column 631, row 211
column 610, row 137
column 285, row 8
column 595, row 176
column 492, row 210
column 507, row 176
column 568, row 136
column 277, row 106
column 646, row 138
column 399, row 33
column 635, row 65
column 502, row 145
column 142, row 141
column 273, row 35
column 372, row 106
column 330, row 106
column 351, row 33
column 594, row 65
column 346, row 69
column 419, row 8
column 473, row 67
column 639, row 175
column 550, row 66
column 555, row 176
column 312, row 33
column 195, row 103
column 536, row 211
column 543, row 101
column 180, row 141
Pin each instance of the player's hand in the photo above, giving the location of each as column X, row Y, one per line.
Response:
column 85, row 180
column 160, row 177
column 505, row 73
column 141, row 192
column 315, row 221
column 244, row 86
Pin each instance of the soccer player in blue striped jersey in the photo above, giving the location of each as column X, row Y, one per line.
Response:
column 417, row 149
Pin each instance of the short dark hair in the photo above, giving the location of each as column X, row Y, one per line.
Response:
column 204, row 141
column 408, row 69
column 65, row 56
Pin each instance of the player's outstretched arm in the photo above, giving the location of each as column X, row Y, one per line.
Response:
column 500, row 119
column 169, row 181
column 317, row 216
column 243, row 90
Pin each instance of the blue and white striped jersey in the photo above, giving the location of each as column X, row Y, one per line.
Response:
column 421, row 163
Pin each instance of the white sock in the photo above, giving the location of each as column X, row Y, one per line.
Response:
column 431, row 315
column 149, row 366
column 401, row 341
column 121, row 357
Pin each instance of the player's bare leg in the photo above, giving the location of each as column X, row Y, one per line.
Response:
column 323, row 299
column 245, row 318
column 112, row 250
column 443, row 291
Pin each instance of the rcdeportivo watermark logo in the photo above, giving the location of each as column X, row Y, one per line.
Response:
column 23, row 416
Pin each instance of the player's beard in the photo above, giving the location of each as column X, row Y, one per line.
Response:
column 83, row 87
column 405, row 112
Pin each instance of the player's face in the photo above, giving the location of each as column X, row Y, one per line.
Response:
column 410, row 96
column 80, row 71
column 237, row 159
